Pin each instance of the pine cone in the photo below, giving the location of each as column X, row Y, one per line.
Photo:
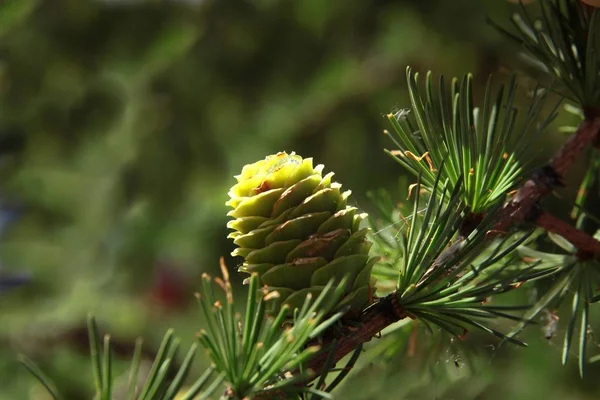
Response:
column 296, row 232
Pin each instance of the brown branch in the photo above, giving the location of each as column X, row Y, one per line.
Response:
column 515, row 212
column 523, row 207
column 581, row 240
column 520, row 208
column 374, row 319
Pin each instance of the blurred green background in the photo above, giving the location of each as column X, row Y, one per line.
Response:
column 123, row 122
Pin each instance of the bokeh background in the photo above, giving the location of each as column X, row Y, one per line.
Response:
column 123, row 122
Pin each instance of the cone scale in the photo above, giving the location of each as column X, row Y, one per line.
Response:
column 293, row 228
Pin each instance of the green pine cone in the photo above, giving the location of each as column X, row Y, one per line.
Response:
column 294, row 229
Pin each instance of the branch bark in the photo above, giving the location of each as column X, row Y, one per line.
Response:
column 374, row 319
column 520, row 208
column 582, row 241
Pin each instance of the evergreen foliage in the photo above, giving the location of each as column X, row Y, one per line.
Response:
column 108, row 149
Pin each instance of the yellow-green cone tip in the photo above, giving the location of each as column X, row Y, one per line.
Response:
column 293, row 228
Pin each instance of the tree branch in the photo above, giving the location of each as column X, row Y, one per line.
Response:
column 523, row 204
column 373, row 320
column 523, row 207
column 516, row 211
column 581, row 240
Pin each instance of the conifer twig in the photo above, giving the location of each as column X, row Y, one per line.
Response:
column 383, row 313
column 517, row 210
column 585, row 243
column 520, row 208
